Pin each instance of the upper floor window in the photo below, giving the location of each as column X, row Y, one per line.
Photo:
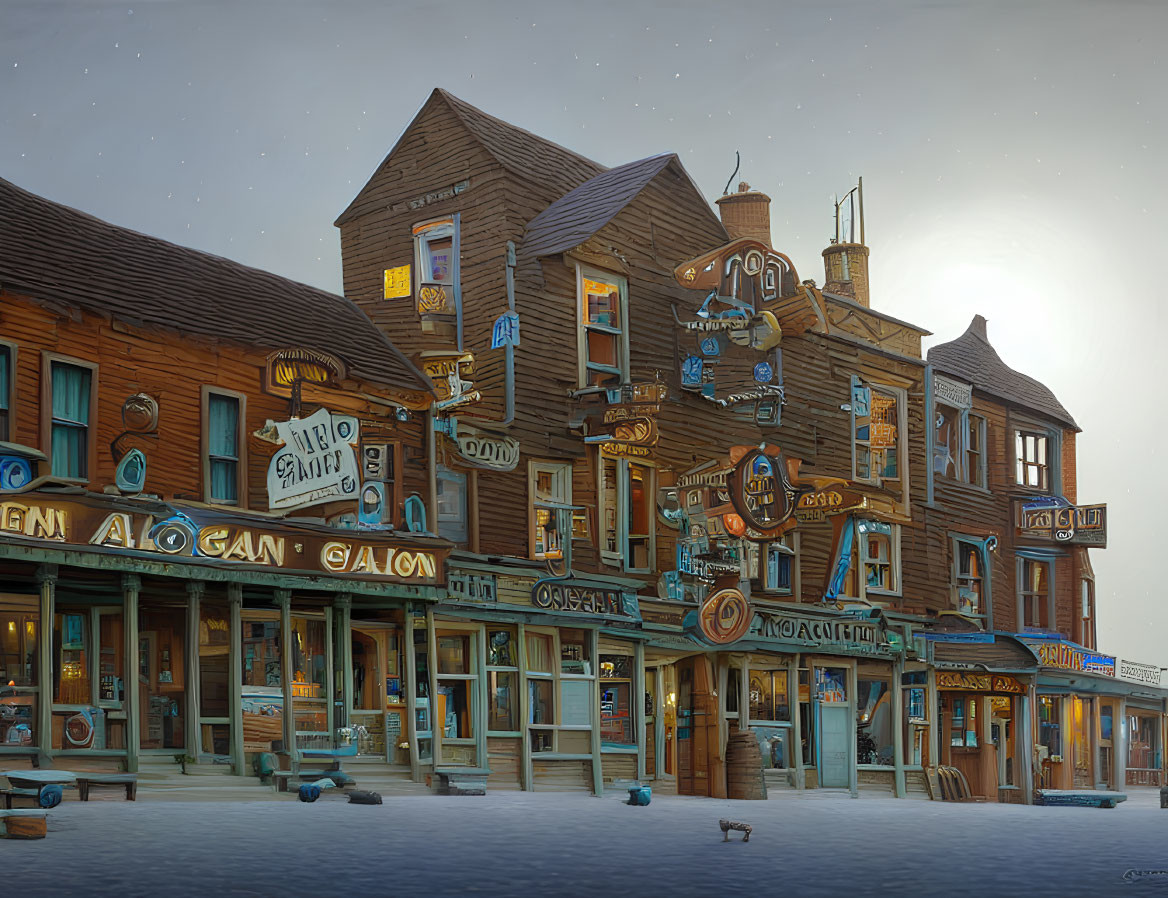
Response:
column 627, row 513
column 221, row 438
column 436, row 258
column 603, row 331
column 1034, row 592
column 1086, row 633
column 879, row 551
column 550, row 488
column 1032, row 459
column 959, row 444
column 6, row 381
column 71, row 389
column 775, row 564
column 970, row 576
column 876, row 432
column 452, row 516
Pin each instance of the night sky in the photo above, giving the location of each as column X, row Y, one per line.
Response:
column 1011, row 155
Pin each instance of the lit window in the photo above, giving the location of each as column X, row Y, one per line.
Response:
column 1032, row 460
column 604, row 355
column 969, row 575
column 879, row 551
column 436, row 259
column 876, row 433
column 550, row 488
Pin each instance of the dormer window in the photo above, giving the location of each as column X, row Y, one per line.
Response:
column 1032, row 460
column 603, row 333
column 436, row 255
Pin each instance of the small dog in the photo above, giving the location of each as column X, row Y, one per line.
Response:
column 728, row 825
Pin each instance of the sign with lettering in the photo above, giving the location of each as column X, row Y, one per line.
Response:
column 288, row 368
column 979, row 682
column 487, row 450
column 438, row 196
column 581, row 598
column 465, row 587
column 818, row 504
column 952, row 392
column 317, row 462
column 663, row 615
column 1056, row 520
column 447, row 371
column 759, row 489
column 1139, row 673
column 397, row 282
column 854, row 636
column 179, row 532
column 1067, row 656
column 724, row 617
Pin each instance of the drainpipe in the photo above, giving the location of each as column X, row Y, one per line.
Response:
column 509, row 371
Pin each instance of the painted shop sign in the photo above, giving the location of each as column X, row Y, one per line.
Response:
column 178, row 534
column 438, row 196
column 1139, row 673
column 952, row 392
column 317, row 462
column 1068, row 656
column 820, row 633
column 724, row 617
column 759, row 489
column 397, row 282
column 579, row 598
column 464, row 587
column 979, row 682
column 447, row 371
column 818, row 504
column 485, row 450
column 287, row 369
column 1058, row 521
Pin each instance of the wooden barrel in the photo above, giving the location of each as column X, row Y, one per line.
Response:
column 744, row 777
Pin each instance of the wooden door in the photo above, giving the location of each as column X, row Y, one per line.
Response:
column 697, row 730
column 835, row 767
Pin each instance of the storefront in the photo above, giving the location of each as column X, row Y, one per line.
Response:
column 538, row 680
column 135, row 627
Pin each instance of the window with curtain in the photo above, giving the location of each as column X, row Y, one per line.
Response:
column 223, row 447
column 69, row 436
column 452, row 517
column 5, row 390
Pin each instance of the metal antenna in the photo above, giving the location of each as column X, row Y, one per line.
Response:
column 737, row 164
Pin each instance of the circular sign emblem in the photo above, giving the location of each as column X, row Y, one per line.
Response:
column 710, row 346
column 759, row 490
column 725, row 617
column 764, row 373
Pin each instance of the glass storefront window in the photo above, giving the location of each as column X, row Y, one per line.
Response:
column 1049, row 725
column 454, row 705
column 616, row 700
column 1143, row 751
column 262, row 692
column 162, row 676
column 214, row 654
column 831, row 684
column 539, row 653
column 309, row 683
column 916, row 723
column 963, row 723
column 71, row 640
column 768, row 695
column 111, row 688
column 541, row 710
column 454, row 655
column 574, row 655
column 874, row 722
column 501, row 648
column 502, row 713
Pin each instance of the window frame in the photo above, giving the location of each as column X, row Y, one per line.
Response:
column 1023, row 432
column 8, row 429
column 621, row 369
column 956, row 542
column 791, row 552
column 900, row 396
column 893, row 562
column 557, row 469
column 205, row 445
column 48, row 359
column 431, row 230
column 442, row 473
column 1046, row 610
column 621, row 557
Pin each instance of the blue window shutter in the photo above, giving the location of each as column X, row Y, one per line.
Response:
column 223, row 447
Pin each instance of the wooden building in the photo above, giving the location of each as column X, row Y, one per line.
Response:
column 209, row 476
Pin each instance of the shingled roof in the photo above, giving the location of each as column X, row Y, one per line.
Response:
column 581, row 212
column 1004, row 653
column 62, row 257
column 972, row 358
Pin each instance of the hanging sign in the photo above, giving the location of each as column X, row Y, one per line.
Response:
column 1140, row 673
column 506, row 330
column 724, row 617
column 1056, row 520
column 759, row 489
column 818, row 504
column 447, row 371
column 486, row 450
column 317, row 462
column 397, row 282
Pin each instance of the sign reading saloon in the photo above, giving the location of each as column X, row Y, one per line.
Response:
column 317, row 462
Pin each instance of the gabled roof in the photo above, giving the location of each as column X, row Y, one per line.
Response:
column 527, row 155
column 62, row 257
column 972, row 358
column 581, row 212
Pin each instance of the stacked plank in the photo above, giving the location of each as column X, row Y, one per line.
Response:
column 744, row 777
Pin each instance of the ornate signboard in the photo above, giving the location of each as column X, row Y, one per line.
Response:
column 447, row 371
column 724, row 617
column 1139, row 673
column 317, row 462
column 853, row 636
column 1063, row 655
column 759, row 489
column 466, row 587
column 1056, row 520
column 952, row 392
column 487, row 450
column 818, row 504
column 979, row 682
column 397, row 282
column 583, row 598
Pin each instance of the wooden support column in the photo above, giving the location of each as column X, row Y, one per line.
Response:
column 796, row 723
column 235, row 673
column 744, row 693
column 933, row 715
column 898, row 728
column 1025, row 737
column 343, row 602
column 131, row 587
column 480, row 698
column 853, row 701
column 437, row 727
column 1119, row 740
column 193, row 732
column 46, row 577
column 525, row 765
column 597, row 761
column 638, row 700
column 659, row 746
column 283, row 598
column 411, row 688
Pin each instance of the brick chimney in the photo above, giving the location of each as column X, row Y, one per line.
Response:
column 746, row 213
column 846, row 268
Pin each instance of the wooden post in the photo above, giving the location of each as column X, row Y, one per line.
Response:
column 437, row 727
column 933, row 715
column 330, row 680
column 46, row 577
column 597, row 760
column 1119, row 740
column 1025, row 739
column 898, row 729
column 796, row 723
column 235, row 672
column 659, row 746
column 343, row 602
column 283, row 599
column 525, row 765
column 193, row 731
column 480, row 698
column 853, row 701
column 638, row 698
column 131, row 586
column 411, row 689
column 744, row 693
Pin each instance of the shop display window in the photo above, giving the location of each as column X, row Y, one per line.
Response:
column 71, row 638
column 454, row 655
column 1143, row 751
column 963, row 723
column 575, row 656
column 214, row 654
column 1050, row 726
column 874, row 722
column 501, row 648
column 309, row 682
column 539, row 653
column 454, row 706
column 831, row 684
column 263, row 695
column 502, row 690
column 111, row 689
column 540, row 710
column 916, row 722
column 161, row 675
column 18, row 640
column 616, row 700
column 768, row 695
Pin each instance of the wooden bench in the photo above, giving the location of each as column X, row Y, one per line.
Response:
column 24, row 824
column 87, row 780
column 1083, row 798
column 13, row 792
column 461, row 780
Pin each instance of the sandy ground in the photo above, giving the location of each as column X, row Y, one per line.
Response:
column 568, row 845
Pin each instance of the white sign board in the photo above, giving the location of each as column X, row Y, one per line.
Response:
column 952, row 392
column 1140, row 673
column 317, row 462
